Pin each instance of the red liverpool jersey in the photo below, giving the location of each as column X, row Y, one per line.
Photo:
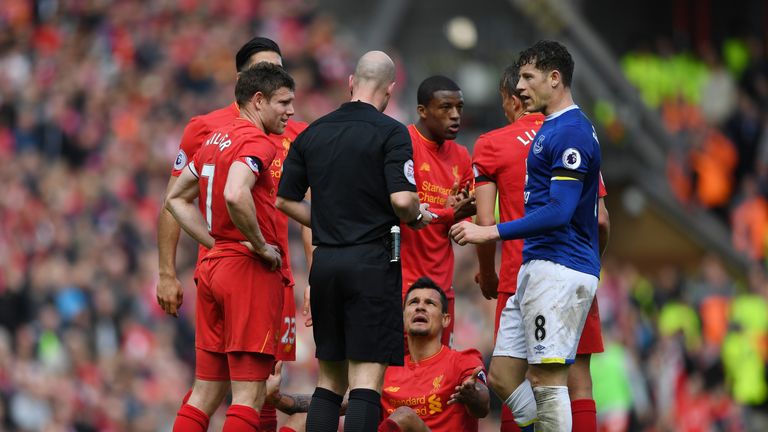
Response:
column 426, row 387
column 429, row 252
column 282, row 144
column 239, row 141
column 500, row 157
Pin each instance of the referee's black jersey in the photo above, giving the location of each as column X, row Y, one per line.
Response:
column 352, row 158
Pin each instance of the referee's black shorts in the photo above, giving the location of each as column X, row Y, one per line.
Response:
column 356, row 301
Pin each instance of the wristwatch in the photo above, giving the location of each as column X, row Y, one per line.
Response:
column 416, row 221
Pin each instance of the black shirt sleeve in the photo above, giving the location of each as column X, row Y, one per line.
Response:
column 398, row 161
column 293, row 181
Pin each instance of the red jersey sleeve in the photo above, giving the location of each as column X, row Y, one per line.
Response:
column 256, row 152
column 469, row 360
column 483, row 163
column 191, row 140
column 601, row 188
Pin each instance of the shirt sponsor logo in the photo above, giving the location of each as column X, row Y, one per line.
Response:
column 435, row 404
column 538, row 146
column 181, row 160
column 571, row 158
column 408, row 171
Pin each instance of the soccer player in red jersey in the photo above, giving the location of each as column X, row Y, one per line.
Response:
column 499, row 166
column 440, row 166
column 240, row 289
column 446, row 388
column 169, row 290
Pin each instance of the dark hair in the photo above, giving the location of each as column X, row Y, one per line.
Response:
column 253, row 46
column 426, row 282
column 433, row 84
column 547, row 56
column 262, row 77
column 508, row 82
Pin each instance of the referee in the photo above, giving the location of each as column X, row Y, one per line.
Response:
column 358, row 163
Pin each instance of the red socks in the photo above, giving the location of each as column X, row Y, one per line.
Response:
column 508, row 420
column 190, row 419
column 268, row 418
column 186, row 398
column 584, row 415
column 241, row 418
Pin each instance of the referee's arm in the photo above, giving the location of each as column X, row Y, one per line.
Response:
column 401, row 184
column 293, row 187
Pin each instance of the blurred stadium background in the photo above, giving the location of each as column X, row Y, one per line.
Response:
column 94, row 95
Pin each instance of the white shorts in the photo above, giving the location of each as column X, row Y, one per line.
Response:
column 543, row 321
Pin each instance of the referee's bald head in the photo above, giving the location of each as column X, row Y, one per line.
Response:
column 374, row 68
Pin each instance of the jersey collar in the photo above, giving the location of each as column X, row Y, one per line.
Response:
column 561, row 112
column 429, row 143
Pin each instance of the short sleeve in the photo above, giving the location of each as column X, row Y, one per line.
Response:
column 483, row 162
column 602, row 191
column 468, row 175
column 571, row 153
column 294, row 182
column 191, row 140
column 469, row 360
column 398, row 161
column 256, row 152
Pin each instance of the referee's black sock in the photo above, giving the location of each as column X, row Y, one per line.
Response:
column 323, row 413
column 364, row 411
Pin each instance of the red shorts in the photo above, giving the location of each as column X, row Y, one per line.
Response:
column 232, row 366
column 591, row 341
column 239, row 305
column 286, row 346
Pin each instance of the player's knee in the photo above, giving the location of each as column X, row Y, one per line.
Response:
column 208, row 395
column 548, row 375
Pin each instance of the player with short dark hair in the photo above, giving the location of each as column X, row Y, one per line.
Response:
column 441, row 167
column 240, row 289
column 169, row 290
column 541, row 324
column 499, row 165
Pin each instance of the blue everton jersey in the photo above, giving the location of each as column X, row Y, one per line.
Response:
column 565, row 149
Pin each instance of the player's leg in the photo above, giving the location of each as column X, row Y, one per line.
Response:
column 508, row 423
column 583, row 408
column 373, row 330
column 328, row 330
column 506, row 374
column 295, row 423
column 211, row 370
column 249, row 372
column 403, row 419
column 579, row 378
column 554, row 308
column 286, row 351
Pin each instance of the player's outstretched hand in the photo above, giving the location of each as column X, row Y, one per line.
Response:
column 466, row 232
column 468, row 389
column 489, row 284
column 465, row 208
column 170, row 295
column 305, row 309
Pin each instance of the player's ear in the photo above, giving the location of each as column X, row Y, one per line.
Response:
column 421, row 110
column 554, row 78
column 258, row 99
column 390, row 88
column 351, row 83
column 446, row 320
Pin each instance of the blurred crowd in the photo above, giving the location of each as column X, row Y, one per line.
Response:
column 714, row 102
column 94, row 96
